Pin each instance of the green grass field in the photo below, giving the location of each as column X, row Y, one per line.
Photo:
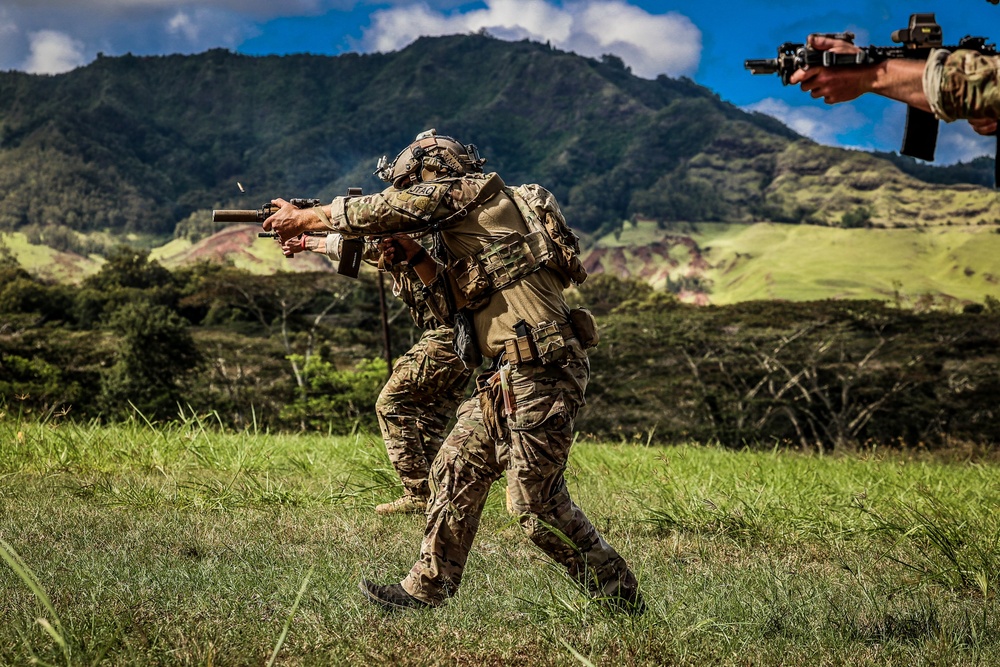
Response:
column 951, row 264
column 48, row 263
column 947, row 265
column 181, row 545
column 805, row 262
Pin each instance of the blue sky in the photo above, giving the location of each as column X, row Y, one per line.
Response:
column 706, row 41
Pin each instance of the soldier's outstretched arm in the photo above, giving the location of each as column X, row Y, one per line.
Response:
column 328, row 245
column 898, row 79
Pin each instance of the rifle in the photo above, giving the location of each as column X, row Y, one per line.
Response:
column 921, row 35
column 351, row 250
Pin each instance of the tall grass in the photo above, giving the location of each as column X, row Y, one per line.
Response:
column 52, row 628
column 179, row 543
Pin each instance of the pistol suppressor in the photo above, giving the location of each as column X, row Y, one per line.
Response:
column 237, row 216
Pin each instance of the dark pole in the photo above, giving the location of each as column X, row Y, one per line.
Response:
column 385, row 324
column 355, row 263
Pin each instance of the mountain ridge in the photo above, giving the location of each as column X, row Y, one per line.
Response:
column 140, row 149
column 149, row 144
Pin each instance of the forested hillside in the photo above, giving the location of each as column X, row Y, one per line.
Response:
column 303, row 351
column 149, row 144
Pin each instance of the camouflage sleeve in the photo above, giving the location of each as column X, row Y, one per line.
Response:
column 389, row 211
column 962, row 84
column 409, row 210
column 333, row 242
column 425, row 302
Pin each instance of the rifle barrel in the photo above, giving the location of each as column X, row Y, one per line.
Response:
column 761, row 66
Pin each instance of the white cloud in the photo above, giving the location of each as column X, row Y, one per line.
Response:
column 143, row 27
column 116, row 27
column 651, row 44
column 256, row 7
column 53, row 52
column 183, row 24
column 821, row 124
column 394, row 28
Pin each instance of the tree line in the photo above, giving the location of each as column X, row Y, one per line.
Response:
column 303, row 352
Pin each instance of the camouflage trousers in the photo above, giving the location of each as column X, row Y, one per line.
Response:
column 533, row 449
column 416, row 404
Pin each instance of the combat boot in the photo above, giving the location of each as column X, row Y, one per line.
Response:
column 390, row 597
column 627, row 602
column 406, row 504
column 620, row 593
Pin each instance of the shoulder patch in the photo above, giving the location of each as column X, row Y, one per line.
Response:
column 422, row 190
column 420, row 200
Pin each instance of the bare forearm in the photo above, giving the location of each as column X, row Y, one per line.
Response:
column 897, row 79
column 901, row 80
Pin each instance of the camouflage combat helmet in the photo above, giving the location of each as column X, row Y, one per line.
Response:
column 444, row 156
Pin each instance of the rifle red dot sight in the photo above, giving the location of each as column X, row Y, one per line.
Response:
column 923, row 32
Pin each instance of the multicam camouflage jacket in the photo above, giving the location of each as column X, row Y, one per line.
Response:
column 962, row 84
column 407, row 287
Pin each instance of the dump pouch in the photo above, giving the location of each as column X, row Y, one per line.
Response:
column 584, row 327
column 491, row 403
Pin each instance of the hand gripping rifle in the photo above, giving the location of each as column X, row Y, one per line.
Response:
column 351, row 250
column 921, row 35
